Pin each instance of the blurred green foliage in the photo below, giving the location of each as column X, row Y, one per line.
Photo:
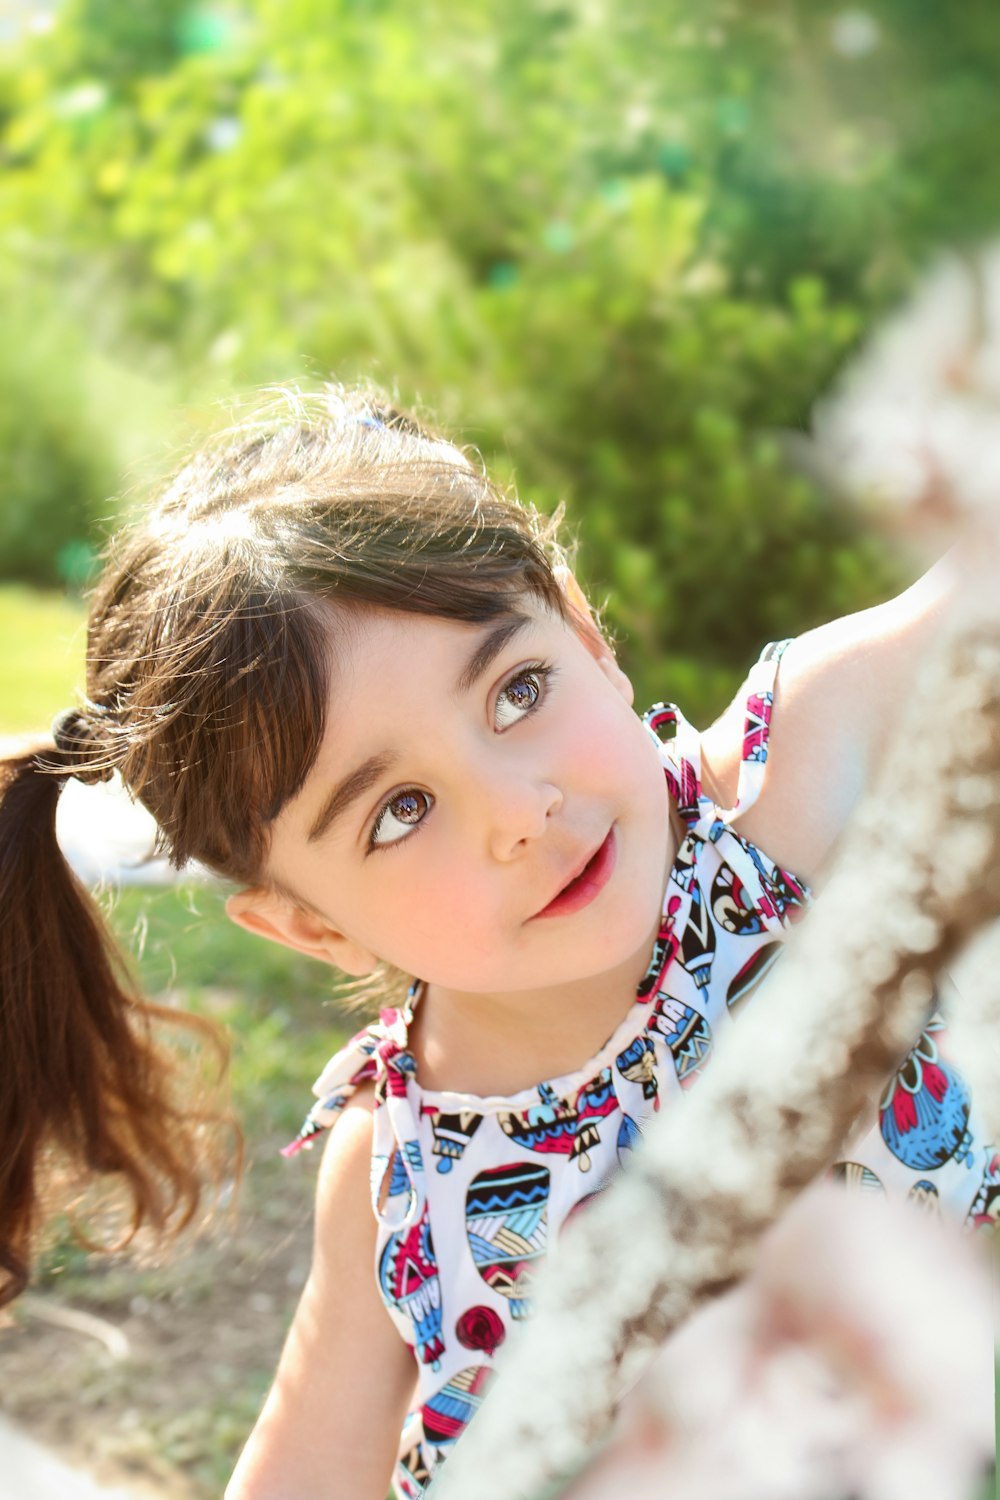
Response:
column 42, row 657
column 619, row 248
column 280, row 1009
column 56, row 464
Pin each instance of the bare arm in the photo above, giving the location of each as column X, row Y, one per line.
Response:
column 839, row 694
column 330, row 1426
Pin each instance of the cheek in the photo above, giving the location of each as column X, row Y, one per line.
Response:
column 613, row 748
column 416, row 908
column 453, row 946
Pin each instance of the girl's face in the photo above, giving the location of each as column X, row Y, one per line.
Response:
column 467, row 775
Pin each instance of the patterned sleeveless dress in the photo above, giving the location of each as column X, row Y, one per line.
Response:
column 468, row 1191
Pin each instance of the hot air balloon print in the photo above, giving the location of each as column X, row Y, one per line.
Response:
column 698, row 941
column 924, row 1114
column 790, row 895
column 924, row 1195
column 628, row 1134
column 413, row 1470
column 687, row 1033
column 408, row 1280
column 548, row 1126
column 452, row 1131
column 638, row 1064
column 392, row 1190
column 749, row 976
column 858, row 1178
column 663, row 951
column 985, row 1210
column 732, row 904
column 756, row 727
column 481, row 1328
column 595, row 1101
column 450, row 1410
column 506, row 1222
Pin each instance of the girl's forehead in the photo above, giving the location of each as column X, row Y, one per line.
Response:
column 388, row 662
column 397, row 645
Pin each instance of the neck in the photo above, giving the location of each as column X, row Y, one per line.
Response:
column 502, row 1043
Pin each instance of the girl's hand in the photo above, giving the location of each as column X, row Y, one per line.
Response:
column 912, row 429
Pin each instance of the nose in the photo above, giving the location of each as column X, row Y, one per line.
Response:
column 518, row 811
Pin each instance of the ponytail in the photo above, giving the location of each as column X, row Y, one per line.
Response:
column 87, row 1089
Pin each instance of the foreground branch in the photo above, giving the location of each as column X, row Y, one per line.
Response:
column 917, row 876
column 975, row 1036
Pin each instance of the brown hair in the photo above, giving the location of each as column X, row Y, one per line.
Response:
column 208, row 652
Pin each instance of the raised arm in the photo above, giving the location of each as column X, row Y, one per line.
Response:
column 330, row 1426
column 839, row 693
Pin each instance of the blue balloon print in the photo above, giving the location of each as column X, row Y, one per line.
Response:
column 628, row 1134
column 925, row 1113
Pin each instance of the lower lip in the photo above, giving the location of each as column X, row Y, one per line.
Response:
column 588, row 885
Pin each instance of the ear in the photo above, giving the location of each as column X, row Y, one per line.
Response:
column 588, row 631
column 271, row 914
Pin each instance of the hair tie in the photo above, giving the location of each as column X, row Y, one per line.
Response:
column 72, row 740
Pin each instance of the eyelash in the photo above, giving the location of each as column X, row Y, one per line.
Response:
column 545, row 672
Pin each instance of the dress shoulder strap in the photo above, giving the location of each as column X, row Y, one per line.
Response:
column 680, row 747
column 356, row 1063
column 759, row 701
column 683, row 765
column 379, row 1053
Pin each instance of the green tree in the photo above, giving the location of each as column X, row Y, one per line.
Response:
column 621, row 248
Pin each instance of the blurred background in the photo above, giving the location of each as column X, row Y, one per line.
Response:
column 621, row 249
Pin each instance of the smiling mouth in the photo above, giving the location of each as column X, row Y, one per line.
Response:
column 587, row 886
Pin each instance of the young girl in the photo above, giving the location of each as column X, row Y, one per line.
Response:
column 351, row 677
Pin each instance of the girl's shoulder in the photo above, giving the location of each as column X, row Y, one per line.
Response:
column 350, row 1077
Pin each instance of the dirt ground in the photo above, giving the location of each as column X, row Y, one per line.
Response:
column 203, row 1332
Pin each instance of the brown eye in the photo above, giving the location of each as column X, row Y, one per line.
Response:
column 409, row 808
column 398, row 816
column 519, row 697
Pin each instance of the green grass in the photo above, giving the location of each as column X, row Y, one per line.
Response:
column 182, row 941
column 279, row 1007
column 41, row 657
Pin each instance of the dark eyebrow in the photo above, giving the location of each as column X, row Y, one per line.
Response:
column 370, row 771
column 489, row 649
column 349, row 790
